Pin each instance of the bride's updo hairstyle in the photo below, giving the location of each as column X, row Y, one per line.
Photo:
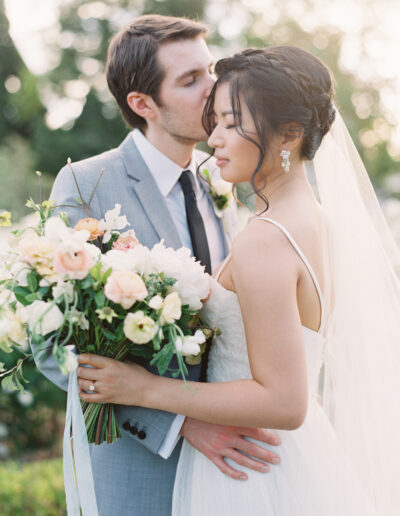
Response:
column 279, row 84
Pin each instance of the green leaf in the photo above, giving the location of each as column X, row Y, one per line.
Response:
column 163, row 358
column 100, row 299
column 21, row 293
column 30, row 298
column 43, row 291
column 95, row 271
column 107, row 274
column 86, row 282
column 5, row 382
column 108, row 334
column 206, row 174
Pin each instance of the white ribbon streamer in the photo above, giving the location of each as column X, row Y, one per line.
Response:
column 79, row 489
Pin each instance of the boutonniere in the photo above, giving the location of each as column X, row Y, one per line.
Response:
column 220, row 191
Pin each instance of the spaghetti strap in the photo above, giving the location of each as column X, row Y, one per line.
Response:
column 222, row 267
column 304, row 259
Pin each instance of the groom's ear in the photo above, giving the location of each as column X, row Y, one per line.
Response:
column 142, row 104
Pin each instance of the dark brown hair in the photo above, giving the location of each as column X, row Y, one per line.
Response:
column 132, row 63
column 280, row 84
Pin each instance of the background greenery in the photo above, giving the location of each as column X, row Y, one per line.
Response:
column 31, row 138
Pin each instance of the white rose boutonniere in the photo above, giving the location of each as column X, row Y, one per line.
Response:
column 220, row 192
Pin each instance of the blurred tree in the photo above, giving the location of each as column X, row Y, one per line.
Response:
column 19, row 100
column 240, row 24
column 92, row 123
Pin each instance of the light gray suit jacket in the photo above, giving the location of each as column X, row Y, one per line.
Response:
column 130, row 477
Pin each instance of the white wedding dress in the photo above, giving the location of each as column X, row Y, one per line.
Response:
column 314, row 477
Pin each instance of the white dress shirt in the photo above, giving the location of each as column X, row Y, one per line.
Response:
column 166, row 174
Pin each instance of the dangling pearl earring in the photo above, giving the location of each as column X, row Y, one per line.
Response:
column 285, row 160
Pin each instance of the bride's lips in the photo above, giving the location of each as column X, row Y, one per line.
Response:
column 220, row 160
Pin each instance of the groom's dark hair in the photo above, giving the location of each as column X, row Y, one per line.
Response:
column 132, row 63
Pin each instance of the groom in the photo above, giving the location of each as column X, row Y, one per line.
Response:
column 159, row 69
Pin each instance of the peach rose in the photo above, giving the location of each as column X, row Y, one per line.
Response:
column 125, row 242
column 125, row 288
column 74, row 262
column 91, row 225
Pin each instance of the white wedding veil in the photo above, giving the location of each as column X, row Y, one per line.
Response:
column 362, row 356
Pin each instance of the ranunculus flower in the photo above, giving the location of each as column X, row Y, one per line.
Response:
column 41, row 317
column 139, row 328
column 91, row 225
column 171, row 309
column 125, row 288
column 38, row 252
column 73, row 258
column 156, row 302
column 126, row 241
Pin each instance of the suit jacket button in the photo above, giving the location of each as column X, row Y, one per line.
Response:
column 126, row 426
column 142, row 435
column 133, row 430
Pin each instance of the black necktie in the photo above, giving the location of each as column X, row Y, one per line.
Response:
column 195, row 221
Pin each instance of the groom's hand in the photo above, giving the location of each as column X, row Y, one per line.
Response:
column 218, row 442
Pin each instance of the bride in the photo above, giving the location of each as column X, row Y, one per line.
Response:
column 307, row 303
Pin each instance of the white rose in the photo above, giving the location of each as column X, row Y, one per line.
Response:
column 156, row 302
column 222, row 187
column 62, row 290
column 43, row 318
column 192, row 282
column 6, row 296
column 134, row 260
column 171, row 308
column 5, row 326
column 12, row 328
column 139, row 328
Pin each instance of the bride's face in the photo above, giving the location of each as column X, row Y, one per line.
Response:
column 236, row 156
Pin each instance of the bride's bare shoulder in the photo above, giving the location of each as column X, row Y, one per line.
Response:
column 257, row 240
column 264, row 240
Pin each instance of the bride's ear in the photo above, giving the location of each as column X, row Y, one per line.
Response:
column 142, row 104
column 292, row 135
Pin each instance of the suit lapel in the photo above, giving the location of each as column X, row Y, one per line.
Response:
column 148, row 193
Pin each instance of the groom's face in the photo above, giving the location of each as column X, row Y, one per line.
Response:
column 184, row 90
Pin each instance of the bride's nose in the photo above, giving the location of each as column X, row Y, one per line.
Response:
column 215, row 139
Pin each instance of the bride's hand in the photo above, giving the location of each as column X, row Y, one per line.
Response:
column 114, row 382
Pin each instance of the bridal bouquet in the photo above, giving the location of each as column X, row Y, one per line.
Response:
column 115, row 299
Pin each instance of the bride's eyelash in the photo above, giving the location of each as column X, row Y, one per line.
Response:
column 230, row 126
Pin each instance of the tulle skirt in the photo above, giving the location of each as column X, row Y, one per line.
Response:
column 313, row 479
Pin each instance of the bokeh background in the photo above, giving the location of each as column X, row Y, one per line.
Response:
column 54, row 104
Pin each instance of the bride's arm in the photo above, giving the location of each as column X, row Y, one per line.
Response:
column 265, row 270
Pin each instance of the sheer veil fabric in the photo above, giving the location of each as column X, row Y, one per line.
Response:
column 362, row 340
